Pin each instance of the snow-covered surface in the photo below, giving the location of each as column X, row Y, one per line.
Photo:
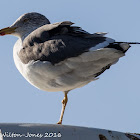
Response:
column 61, row 132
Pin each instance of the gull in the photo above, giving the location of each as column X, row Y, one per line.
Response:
column 60, row 56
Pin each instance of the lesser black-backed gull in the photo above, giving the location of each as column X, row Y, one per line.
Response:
column 59, row 56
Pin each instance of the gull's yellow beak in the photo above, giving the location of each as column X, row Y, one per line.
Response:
column 8, row 30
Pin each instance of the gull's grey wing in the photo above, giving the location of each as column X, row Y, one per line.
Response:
column 59, row 41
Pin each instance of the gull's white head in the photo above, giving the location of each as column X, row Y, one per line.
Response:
column 25, row 24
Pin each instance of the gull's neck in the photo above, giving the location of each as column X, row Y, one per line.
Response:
column 25, row 34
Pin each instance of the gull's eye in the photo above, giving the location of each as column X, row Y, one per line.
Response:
column 25, row 20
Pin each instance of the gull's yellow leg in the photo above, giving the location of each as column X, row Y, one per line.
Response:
column 64, row 103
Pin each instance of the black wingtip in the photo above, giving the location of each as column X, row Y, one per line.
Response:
column 129, row 42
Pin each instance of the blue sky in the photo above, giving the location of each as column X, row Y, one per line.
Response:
column 112, row 102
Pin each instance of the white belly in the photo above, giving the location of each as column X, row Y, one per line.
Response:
column 69, row 74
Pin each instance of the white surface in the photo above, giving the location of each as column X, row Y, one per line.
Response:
column 57, row 132
column 1, row 137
